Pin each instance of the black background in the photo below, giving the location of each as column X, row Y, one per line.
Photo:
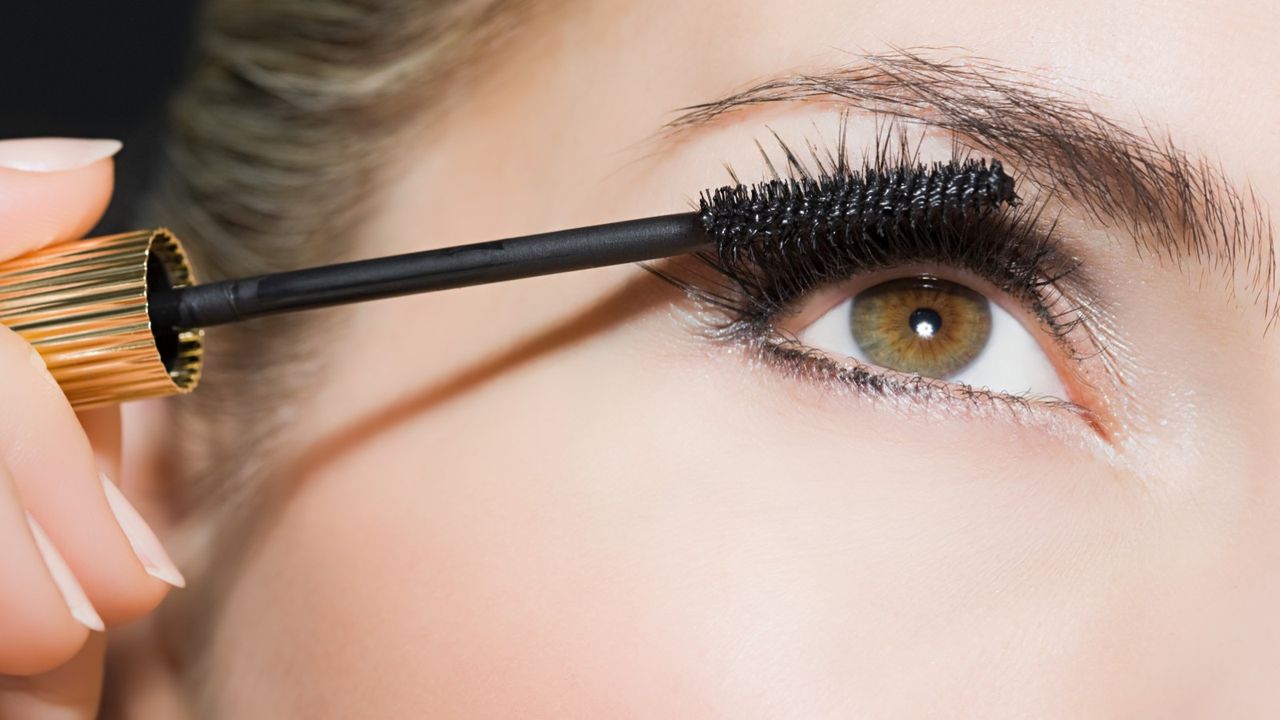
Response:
column 95, row 69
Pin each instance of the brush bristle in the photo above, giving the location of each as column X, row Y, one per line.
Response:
column 872, row 201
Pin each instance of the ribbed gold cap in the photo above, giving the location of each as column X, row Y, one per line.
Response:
column 83, row 305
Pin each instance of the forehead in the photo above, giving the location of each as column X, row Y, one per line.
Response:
column 615, row 71
column 1196, row 69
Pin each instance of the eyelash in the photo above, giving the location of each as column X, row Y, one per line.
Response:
column 1015, row 250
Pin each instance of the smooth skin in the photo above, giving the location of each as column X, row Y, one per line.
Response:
column 553, row 499
column 83, row 572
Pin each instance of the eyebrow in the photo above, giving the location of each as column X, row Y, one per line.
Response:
column 1174, row 205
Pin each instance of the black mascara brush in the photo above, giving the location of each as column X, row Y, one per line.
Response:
column 728, row 216
column 116, row 318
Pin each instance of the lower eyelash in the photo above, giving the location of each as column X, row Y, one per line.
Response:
column 727, row 319
column 807, row 364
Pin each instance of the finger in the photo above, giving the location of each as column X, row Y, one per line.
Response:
column 103, row 428
column 109, row 548
column 51, row 189
column 69, row 692
column 44, row 615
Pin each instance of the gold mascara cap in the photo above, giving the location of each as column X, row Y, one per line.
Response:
column 83, row 306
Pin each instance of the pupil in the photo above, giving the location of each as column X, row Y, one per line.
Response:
column 925, row 322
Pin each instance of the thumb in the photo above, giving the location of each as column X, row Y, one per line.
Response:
column 52, row 189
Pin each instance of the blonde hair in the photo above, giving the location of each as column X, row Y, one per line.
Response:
column 277, row 140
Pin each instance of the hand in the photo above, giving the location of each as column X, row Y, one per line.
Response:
column 74, row 555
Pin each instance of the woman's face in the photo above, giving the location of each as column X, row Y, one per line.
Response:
column 560, row 497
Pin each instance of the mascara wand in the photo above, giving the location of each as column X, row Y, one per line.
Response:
column 120, row 318
column 618, row 243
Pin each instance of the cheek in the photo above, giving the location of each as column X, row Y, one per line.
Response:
column 597, row 536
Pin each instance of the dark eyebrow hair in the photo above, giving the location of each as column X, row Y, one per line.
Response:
column 1175, row 206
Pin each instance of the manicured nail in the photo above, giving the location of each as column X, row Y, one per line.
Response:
column 54, row 154
column 145, row 543
column 81, row 609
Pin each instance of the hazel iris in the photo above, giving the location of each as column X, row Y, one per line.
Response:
column 923, row 325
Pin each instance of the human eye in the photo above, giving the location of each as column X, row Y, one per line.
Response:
column 960, row 303
column 920, row 324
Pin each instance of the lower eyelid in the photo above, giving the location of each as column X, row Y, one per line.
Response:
column 932, row 398
column 759, row 345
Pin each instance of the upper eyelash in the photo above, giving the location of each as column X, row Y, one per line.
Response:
column 1008, row 249
column 1017, row 250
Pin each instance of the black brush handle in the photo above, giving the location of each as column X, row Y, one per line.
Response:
column 453, row 267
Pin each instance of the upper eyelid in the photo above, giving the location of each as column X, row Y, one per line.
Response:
column 1172, row 204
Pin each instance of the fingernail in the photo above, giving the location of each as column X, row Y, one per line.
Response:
column 81, row 609
column 145, row 543
column 54, row 154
